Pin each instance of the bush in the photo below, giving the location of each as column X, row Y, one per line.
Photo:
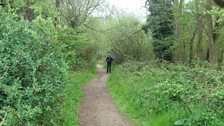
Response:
column 78, row 52
column 150, row 91
column 32, row 72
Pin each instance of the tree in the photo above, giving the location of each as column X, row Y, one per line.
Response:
column 200, row 25
column 160, row 22
column 127, row 40
column 57, row 5
column 77, row 12
column 178, row 8
column 211, row 41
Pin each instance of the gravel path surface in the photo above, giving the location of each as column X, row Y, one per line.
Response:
column 97, row 107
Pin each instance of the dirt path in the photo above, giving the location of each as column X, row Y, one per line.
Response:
column 97, row 108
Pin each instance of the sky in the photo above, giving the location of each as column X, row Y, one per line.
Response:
column 130, row 6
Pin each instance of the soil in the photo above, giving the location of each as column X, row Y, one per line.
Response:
column 97, row 108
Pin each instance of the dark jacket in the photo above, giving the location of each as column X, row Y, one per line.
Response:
column 109, row 60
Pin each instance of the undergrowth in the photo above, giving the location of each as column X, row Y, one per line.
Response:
column 155, row 94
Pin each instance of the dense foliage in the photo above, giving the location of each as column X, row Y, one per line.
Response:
column 78, row 52
column 160, row 22
column 37, row 50
column 32, row 71
column 169, row 94
column 42, row 41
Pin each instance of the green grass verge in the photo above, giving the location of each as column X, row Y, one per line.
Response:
column 73, row 96
column 122, row 91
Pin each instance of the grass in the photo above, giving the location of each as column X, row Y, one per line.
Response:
column 73, row 96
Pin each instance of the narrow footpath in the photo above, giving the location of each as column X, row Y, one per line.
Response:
column 97, row 107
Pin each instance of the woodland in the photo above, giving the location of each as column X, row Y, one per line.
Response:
column 167, row 71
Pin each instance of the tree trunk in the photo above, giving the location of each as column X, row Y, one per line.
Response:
column 191, row 52
column 57, row 5
column 181, row 45
column 29, row 14
column 211, row 42
column 57, row 2
column 200, row 54
column 220, row 59
column 200, row 24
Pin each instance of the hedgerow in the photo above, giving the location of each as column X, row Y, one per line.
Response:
column 32, row 72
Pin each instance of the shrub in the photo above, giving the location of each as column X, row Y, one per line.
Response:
column 32, row 72
column 78, row 52
column 150, row 91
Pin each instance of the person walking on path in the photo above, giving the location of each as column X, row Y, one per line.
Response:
column 109, row 60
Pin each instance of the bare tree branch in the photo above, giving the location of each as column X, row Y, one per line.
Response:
column 77, row 12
